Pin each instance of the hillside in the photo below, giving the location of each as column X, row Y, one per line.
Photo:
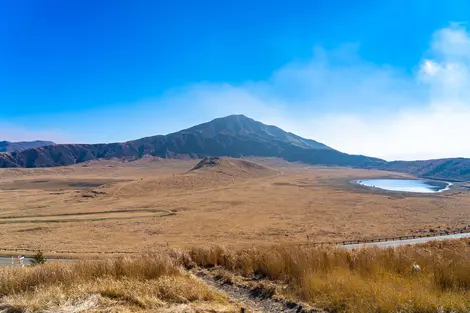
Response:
column 7, row 146
column 232, row 167
column 209, row 173
column 446, row 169
column 232, row 136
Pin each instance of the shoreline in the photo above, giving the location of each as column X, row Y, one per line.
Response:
column 448, row 185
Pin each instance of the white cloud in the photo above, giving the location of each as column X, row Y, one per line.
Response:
column 430, row 68
column 335, row 97
column 358, row 107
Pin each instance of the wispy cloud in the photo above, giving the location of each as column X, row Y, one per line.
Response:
column 335, row 97
column 358, row 107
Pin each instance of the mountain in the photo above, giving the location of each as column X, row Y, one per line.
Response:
column 453, row 169
column 6, row 146
column 240, row 125
column 231, row 136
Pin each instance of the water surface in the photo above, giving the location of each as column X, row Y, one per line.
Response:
column 406, row 185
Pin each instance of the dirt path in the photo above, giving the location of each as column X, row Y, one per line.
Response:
column 116, row 191
column 248, row 300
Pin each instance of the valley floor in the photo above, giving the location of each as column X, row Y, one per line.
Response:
column 111, row 206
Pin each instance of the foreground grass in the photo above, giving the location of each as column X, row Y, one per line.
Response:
column 336, row 280
column 153, row 283
column 367, row 280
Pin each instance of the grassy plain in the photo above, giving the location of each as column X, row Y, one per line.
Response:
column 150, row 204
column 71, row 208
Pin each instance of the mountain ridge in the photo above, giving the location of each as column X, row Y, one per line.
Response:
column 231, row 136
column 8, row 146
column 450, row 169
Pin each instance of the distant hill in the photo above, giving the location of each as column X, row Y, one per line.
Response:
column 7, row 146
column 455, row 169
column 231, row 136
column 232, row 167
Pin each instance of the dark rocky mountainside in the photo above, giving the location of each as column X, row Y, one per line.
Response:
column 454, row 169
column 232, row 136
column 7, row 146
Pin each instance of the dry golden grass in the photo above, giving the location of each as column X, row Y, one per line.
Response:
column 228, row 205
column 371, row 280
column 234, row 204
column 152, row 283
column 367, row 280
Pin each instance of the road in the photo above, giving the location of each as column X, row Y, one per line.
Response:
column 5, row 261
column 395, row 243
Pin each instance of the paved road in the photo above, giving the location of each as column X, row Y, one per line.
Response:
column 5, row 261
column 395, row 243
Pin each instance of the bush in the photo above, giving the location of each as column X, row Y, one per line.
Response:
column 38, row 259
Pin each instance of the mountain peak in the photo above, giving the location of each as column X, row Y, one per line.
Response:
column 241, row 126
column 230, row 136
column 232, row 119
column 235, row 116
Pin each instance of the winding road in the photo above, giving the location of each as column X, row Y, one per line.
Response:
column 396, row 243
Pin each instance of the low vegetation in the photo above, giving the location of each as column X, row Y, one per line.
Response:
column 152, row 283
column 330, row 279
column 367, row 280
column 38, row 259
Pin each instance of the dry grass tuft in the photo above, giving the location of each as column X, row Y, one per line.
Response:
column 336, row 280
column 26, row 279
column 365, row 280
column 154, row 282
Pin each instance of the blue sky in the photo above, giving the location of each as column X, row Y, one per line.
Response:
column 104, row 71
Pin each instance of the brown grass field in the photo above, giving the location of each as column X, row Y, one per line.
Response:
column 338, row 280
column 305, row 279
column 226, row 225
column 154, row 283
column 138, row 206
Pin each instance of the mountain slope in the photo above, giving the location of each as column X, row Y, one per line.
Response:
column 232, row 136
column 457, row 169
column 244, row 127
column 7, row 146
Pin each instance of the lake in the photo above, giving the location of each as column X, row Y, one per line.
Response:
column 406, row 185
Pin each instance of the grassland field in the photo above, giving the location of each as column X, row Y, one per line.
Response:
column 111, row 205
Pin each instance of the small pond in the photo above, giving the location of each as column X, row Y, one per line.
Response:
column 406, row 185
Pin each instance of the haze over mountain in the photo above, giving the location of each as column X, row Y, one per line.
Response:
column 7, row 146
column 232, row 136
